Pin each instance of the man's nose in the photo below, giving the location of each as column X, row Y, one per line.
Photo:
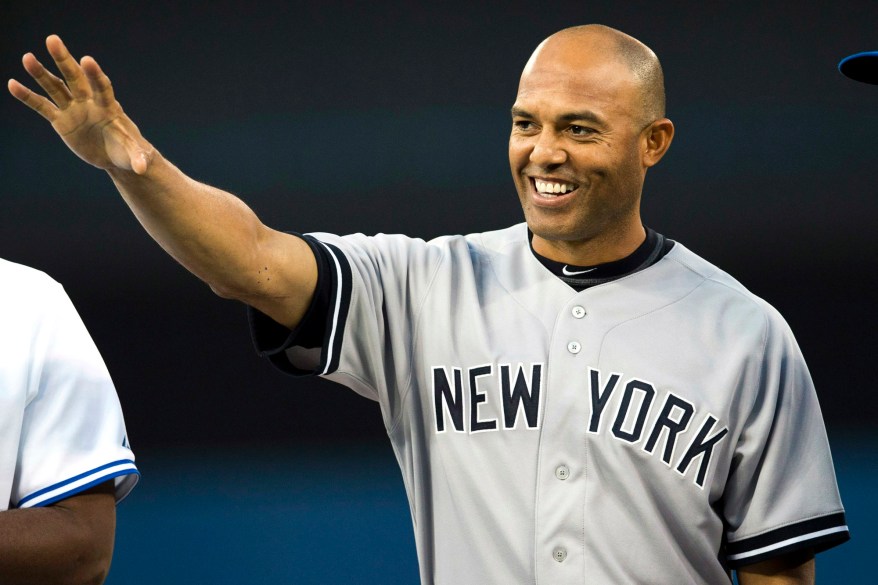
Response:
column 548, row 150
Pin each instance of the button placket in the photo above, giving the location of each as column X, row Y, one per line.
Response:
column 557, row 528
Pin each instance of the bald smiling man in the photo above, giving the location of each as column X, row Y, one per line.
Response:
column 574, row 399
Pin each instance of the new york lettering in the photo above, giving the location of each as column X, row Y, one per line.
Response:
column 517, row 392
column 673, row 435
column 670, row 428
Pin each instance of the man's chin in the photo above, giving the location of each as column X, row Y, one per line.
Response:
column 551, row 229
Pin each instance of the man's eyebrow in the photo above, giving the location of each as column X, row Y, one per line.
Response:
column 584, row 116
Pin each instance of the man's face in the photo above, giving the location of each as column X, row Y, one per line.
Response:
column 576, row 143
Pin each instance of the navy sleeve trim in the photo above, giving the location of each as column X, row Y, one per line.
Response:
column 336, row 318
column 74, row 485
column 323, row 323
column 817, row 534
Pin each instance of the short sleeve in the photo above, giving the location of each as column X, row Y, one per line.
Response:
column 374, row 287
column 782, row 494
column 73, row 434
column 298, row 351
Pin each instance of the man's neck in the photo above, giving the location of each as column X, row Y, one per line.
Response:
column 591, row 252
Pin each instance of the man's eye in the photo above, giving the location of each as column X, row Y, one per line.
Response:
column 580, row 130
column 522, row 124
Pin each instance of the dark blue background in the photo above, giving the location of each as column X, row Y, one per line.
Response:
column 394, row 117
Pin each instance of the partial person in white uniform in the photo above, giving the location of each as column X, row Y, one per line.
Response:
column 574, row 399
column 64, row 454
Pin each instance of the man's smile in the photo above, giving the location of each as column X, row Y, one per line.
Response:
column 552, row 188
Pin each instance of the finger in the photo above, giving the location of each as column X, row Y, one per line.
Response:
column 55, row 87
column 36, row 102
column 69, row 68
column 101, row 87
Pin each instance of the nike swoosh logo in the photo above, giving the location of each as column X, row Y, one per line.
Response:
column 566, row 272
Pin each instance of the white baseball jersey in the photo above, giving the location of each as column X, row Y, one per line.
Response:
column 659, row 428
column 61, row 426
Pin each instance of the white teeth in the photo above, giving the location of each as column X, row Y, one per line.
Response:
column 546, row 187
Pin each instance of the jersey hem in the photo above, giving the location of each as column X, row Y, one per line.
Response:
column 83, row 481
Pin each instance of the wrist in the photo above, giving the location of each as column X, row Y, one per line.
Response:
column 145, row 164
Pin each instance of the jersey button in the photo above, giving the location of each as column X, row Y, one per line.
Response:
column 562, row 472
column 578, row 312
column 574, row 347
column 559, row 554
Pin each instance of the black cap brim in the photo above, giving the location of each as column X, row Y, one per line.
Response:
column 861, row 67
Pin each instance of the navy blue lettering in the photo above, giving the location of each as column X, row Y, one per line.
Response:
column 599, row 398
column 476, row 398
column 648, row 393
column 701, row 445
column 674, row 427
column 442, row 394
column 519, row 395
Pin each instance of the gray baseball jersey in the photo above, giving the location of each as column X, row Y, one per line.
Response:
column 61, row 425
column 659, row 428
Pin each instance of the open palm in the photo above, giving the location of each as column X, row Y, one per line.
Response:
column 83, row 110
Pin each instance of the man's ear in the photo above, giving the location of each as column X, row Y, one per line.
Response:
column 657, row 138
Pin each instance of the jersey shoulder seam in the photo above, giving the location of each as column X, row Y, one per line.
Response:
column 739, row 291
column 711, row 276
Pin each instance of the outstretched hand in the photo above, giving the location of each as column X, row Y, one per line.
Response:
column 83, row 111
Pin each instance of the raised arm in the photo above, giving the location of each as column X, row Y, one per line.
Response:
column 210, row 232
